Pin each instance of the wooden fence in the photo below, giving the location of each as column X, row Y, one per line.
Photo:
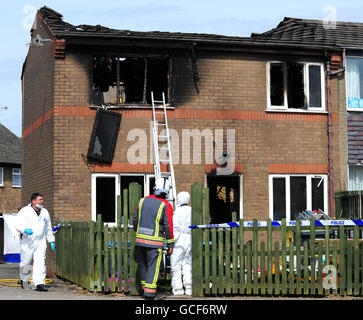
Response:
column 246, row 260
column 249, row 260
column 97, row 257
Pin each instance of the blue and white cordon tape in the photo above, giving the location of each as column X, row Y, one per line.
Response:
column 303, row 223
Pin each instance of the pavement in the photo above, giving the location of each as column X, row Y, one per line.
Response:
column 63, row 290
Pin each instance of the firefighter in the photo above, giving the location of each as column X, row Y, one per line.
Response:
column 153, row 224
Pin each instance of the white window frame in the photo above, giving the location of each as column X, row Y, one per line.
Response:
column 16, row 174
column 346, row 87
column 306, row 88
column 240, row 194
column 147, row 184
column 287, row 188
column 2, row 177
column 93, row 195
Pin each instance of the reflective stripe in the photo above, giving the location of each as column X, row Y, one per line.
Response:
column 140, row 207
column 169, row 240
column 156, row 275
column 145, row 236
column 159, row 243
column 150, row 290
column 160, row 211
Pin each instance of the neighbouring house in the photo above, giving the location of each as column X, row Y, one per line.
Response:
column 10, row 177
column 278, row 98
column 10, row 171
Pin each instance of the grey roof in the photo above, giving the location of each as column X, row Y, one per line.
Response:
column 10, row 146
column 315, row 32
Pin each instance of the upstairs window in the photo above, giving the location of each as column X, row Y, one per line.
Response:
column 295, row 86
column 16, row 179
column 354, row 76
column 121, row 81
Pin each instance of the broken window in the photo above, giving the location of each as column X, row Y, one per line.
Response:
column 291, row 195
column 224, row 195
column 296, row 86
column 129, row 80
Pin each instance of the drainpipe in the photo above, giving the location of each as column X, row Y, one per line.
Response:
column 330, row 123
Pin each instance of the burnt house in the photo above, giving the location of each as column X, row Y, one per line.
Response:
column 278, row 96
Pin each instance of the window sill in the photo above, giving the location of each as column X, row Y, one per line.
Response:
column 18, row 187
column 355, row 109
column 131, row 106
column 297, row 111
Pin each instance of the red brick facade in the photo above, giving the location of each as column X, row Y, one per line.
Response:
column 58, row 121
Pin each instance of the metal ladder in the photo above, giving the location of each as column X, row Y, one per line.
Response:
column 159, row 107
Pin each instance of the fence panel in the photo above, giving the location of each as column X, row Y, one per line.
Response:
column 298, row 260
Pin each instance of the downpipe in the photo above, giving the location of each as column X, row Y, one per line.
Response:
column 330, row 130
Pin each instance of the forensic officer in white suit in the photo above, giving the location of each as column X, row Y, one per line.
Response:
column 35, row 228
column 181, row 260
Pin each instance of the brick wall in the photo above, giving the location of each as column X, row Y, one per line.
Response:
column 232, row 96
column 38, row 102
column 10, row 197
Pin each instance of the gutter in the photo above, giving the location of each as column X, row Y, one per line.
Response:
column 330, row 133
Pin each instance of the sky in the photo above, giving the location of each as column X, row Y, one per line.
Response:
column 228, row 17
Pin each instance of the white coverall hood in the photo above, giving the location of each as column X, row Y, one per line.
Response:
column 161, row 186
column 182, row 198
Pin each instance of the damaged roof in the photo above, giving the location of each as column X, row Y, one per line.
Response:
column 315, row 32
column 64, row 29
column 290, row 33
column 10, row 146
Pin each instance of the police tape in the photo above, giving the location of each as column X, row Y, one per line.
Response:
column 303, row 223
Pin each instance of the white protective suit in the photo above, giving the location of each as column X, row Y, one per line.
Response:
column 33, row 247
column 181, row 259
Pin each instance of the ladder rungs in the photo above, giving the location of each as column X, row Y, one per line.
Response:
column 156, row 112
column 164, row 148
column 164, row 161
column 163, row 137
column 158, row 101
column 161, row 124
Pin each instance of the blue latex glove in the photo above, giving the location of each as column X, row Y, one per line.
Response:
column 52, row 246
column 28, row 231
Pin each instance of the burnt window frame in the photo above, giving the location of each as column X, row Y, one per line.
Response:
column 285, row 106
column 168, row 94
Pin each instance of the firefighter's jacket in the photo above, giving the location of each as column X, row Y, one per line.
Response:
column 153, row 223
